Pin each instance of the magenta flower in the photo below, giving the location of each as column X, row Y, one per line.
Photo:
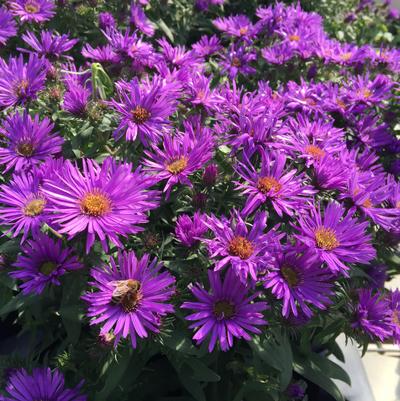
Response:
column 24, row 206
column 297, row 279
column 27, row 141
column 106, row 21
column 394, row 305
column 237, row 60
column 20, row 82
column 41, row 384
column 106, row 201
column 32, row 10
column 189, row 231
column 207, row 45
column 131, row 297
column 237, row 25
column 8, row 27
column 181, row 156
column 272, row 183
column 226, row 312
column 372, row 315
column 49, row 45
column 335, row 237
column 140, row 20
column 42, row 263
column 247, row 250
column 144, row 111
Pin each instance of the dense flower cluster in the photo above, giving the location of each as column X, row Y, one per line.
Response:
column 267, row 203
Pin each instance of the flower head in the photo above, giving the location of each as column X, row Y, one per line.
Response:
column 336, row 237
column 8, row 27
column 372, row 315
column 237, row 60
column 273, row 183
column 19, row 81
column 42, row 263
column 189, row 231
column 227, row 311
column 27, row 141
column 297, row 279
column 106, row 201
column 131, row 296
column 32, row 10
column 140, row 21
column 248, row 251
column 24, row 206
column 41, row 384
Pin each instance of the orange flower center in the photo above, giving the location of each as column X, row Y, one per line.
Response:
column 341, row 103
column 140, row 115
column 290, row 275
column 47, row 268
column 294, row 38
column 34, row 207
column 21, row 87
column 398, row 205
column 243, row 31
column 241, row 247
column 396, row 318
column 25, row 149
column 315, row 151
column 266, row 184
column 127, row 293
column 367, row 93
column 367, row 203
column 178, row 165
column 95, row 204
column 236, row 62
column 326, row 238
column 224, row 310
column 32, row 7
column 346, row 56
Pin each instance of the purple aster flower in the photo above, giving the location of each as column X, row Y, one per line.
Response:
column 272, row 183
column 394, row 305
column 27, row 141
column 297, row 279
column 76, row 99
column 20, row 82
column 372, row 315
column 207, row 45
column 107, row 201
column 140, row 21
column 101, row 54
column 180, row 156
column 106, row 21
column 8, row 27
column 335, row 237
column 50, row 44
column 237, row 61
column 227, row 311
column 200, row 93
column 42, row 263
column 32, row 10
column 330, row 173
column 278, row 54
column 131, row 297
column 144, row 111
column 248, row 251
column 210, row 175
column 24, row 206
column 189, row 231
column 237, row 25
column 41, row 384
column 178, row 56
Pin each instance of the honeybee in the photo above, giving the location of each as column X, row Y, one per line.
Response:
column 126, row 293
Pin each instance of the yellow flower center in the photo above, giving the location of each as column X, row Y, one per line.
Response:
column 127, row 293
column 21, row 87
column 294, row 38
column 243, row 31
column 34, row 207
column 315, row 151
column 178, row 165
column 25, row 149
column 367, row 93
column 95, row 204
column 240, row 246
column 140, row 115
column 236, row 62
column 224, row 310
column 367, row 203
column 266, row 184
column 290, row 275
column 326, row 238
column 346, row 56
column 32, row 7
column 341, row 103
column 47, row 268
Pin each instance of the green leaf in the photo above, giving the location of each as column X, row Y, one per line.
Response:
column 163, row 26
column 20, row 301
column 202, row 372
